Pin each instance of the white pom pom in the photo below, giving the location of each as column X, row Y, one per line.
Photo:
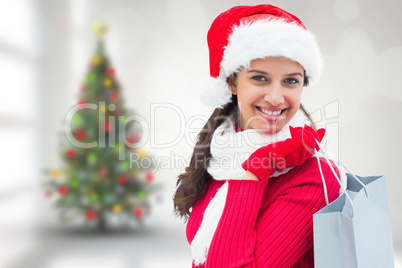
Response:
column 216, row 93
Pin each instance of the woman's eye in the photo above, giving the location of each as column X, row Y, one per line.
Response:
column 259, row 78
column 291, row 81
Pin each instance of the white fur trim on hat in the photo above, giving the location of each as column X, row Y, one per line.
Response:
column 265, row 38
column 216, row 93
column 260, row 39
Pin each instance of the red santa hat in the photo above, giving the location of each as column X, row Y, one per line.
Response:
column 244, row 33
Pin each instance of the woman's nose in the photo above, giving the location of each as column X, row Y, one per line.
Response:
column 274, row 95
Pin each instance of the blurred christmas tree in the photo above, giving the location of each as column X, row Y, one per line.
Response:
column 100, row 179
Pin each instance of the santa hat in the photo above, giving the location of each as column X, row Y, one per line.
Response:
column 244, row 33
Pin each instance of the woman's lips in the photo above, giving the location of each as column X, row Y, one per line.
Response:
column 272, row 118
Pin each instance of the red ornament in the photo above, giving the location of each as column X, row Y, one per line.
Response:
column 63, row 190
column 117, row 111
column 70, row 153
column 80, row 134
column 131, row 140
column 104, row 171
column 48, row 193
column 81, row 103
column 110, row 71
column 149, row 176
column 91, row 214
column 138, row 212
column 113, row 96
column 121, row 180
column 134, row 138
column 107, row 126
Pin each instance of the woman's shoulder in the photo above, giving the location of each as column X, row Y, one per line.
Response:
column 308, row 175
column 312, row 166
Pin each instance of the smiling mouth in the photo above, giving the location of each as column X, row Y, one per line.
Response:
column 271, row 113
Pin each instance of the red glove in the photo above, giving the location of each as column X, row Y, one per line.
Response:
column 284, row 154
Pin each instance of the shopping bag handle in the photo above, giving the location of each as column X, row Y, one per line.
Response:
column 336, row 176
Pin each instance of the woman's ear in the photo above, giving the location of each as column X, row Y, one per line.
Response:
column 232, row 83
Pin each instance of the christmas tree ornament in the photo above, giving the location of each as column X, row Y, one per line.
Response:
column 121, row 180
column 54, row 173
column 133, row 138
column 92, row 158
column 81, row 103
column 118, row 112
column 91, row 77
column 117, row 208
column 104, row 171
column 149, row 176
column 110, row 71
column 107, row 126
column 107, row 82
column 142, row 153
column 99, row 29
column 80, row 134
column 63, row 190
column 82, row 88
column 91, row 214
column 141, row 195
column 48, row 193
column 112, row 107
column 130, row 140
column 96, row 60
column 125, row 165
column 103, row 108
column 70, row 153
column 94, row 197
column 76, row 119
column 116, row 148
column 75, row 183
column 113, row 96
column 138, row 212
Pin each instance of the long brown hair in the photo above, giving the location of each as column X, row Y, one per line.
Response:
column 192, row 184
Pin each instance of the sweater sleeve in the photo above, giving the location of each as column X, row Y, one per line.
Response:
column 234, row 239
column 283, row 231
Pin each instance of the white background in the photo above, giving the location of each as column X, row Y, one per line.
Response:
column 160, row 55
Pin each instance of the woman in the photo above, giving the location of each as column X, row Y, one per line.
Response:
column 253, row 184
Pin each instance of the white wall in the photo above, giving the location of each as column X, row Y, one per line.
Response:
column 160, row 54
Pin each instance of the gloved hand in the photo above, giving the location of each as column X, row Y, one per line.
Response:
column 284, row 154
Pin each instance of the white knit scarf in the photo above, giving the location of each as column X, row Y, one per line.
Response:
column 229, row 149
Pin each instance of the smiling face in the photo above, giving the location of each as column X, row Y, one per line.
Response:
column 268, row 93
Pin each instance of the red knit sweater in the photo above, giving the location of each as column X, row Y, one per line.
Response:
column 266, row 225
